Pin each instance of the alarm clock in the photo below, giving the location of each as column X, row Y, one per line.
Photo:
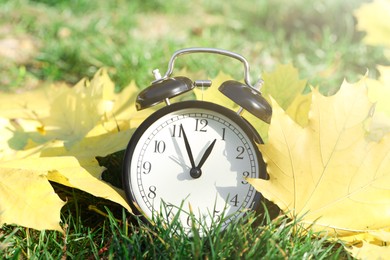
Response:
column 189, row 160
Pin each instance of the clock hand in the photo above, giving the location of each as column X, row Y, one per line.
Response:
column 206, row 154
column 188, row 148
column 196, row 172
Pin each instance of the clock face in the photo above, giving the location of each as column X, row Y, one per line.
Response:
column 193, row 157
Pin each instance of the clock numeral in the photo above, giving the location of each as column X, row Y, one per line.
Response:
column 152, row 192
column 190, row 219
column 147, row 167
column 217, row 216
column 159, row 146
column 200, row 125
column 177, row 130
column 240, row 150
column 235, row 201
column 223, row 133
column 245, row 175
column 169, row 214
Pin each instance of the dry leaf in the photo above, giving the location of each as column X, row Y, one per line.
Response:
column 328, row 172
column 299, row 108
column 283, row 84
column 379, row 94
column 372, row 19
column 22, row 195
column 286, row 87
column 83, row 174
column 61, row 145
column 379, row 237
column 370, row 251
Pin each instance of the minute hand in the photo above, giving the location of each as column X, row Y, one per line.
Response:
column 188, row 148
column 206, row 154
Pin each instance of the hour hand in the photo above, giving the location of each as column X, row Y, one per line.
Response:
column 188, row 148
column 196, row 172
column 206, row 154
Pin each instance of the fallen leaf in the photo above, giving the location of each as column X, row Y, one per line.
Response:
column 379, row 237
column 69, row 114
column 299, row 108
column 23, row 192
column 327, row 172
column 369, row 245
column 371, row 19
column 283, row 84
column 379, row 94
column 55, row 134
column 370, row 251
column 27, row 104
column 83, row 174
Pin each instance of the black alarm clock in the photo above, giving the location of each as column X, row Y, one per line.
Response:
column 189, row 160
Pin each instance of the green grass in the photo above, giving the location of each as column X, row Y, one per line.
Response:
column 119, row 235
column 66, row 40
column 75, row 38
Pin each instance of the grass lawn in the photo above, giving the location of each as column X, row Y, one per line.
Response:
column 45, row 41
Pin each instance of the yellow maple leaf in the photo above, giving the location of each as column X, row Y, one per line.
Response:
column 378, row 237
column 379, row 94
column 82, row 173
column 26, row 104
column 370, row 251
column 299, row 108
column 28, row 199
column 327, row 172
column 372, row 19
column 58, row 139
column 283, row 84
column 69, row 114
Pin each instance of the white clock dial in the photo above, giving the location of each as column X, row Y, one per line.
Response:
column 195, row 158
